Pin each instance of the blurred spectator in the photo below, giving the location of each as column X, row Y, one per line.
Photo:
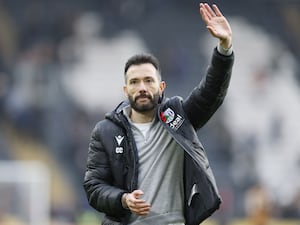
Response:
column 33, row 90
column 92, row 65
column 8, row 39
column 261, row 109
column 293, row 209
column 258, row 205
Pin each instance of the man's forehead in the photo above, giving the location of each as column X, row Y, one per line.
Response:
column 146, row 69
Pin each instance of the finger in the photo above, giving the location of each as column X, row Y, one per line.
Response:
column 209, row 10
column 145, row 206
column 141, row 205
column 140, row 209
column 217, row 11
column 134, row 202
column 204, row 14
column 143, row 209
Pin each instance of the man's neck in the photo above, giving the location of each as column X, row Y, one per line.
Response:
column 144, row 117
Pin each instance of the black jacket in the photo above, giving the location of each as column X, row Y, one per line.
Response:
column 112, row 166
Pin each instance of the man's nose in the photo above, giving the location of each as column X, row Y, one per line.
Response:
column 142, row 86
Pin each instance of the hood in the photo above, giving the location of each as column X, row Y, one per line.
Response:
column 115, row 114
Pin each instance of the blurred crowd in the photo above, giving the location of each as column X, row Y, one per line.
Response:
column 61, row 70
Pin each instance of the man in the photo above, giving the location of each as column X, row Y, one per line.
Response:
column 145, row 163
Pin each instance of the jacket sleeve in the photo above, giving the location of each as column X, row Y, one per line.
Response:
column 206, row 98
column 101, row 194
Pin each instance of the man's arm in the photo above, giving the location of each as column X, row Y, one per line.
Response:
column 101, row 194
column 209, row 95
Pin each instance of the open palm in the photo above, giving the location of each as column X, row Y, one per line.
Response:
column 216, row 23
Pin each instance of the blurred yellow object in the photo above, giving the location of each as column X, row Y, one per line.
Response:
column 88, row 218
column 10, row 220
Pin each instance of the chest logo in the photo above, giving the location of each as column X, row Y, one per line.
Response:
column 168, row 115
column 119, row 139
column 172, row 119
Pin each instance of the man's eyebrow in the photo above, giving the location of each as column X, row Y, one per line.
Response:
column 148, row 77
column 141, row 78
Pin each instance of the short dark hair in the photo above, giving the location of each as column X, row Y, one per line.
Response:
column 141, row 59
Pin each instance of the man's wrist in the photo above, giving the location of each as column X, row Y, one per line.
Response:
column 123, row 200
column 224, row 51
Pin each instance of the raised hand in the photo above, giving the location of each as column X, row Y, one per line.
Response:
column 217, row 24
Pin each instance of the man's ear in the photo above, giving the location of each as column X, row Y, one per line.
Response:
column 125, row 91
column 162, row 86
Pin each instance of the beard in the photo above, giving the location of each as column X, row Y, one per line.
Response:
column 144, row 107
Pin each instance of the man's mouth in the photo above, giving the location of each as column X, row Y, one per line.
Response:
column 143, row 98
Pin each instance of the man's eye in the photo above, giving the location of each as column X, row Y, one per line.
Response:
column 149, row 80
column 133, row 82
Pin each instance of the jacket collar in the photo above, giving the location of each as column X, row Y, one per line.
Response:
column 113, row 115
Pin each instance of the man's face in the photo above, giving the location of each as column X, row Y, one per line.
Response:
column 143, row 87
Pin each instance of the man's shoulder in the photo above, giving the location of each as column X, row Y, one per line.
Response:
column 104, row 126
column 173, row 101
column 105, row 123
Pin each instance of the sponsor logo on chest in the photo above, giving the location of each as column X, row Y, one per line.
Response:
column 171, row 118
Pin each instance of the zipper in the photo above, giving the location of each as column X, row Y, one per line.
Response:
column 133, row 152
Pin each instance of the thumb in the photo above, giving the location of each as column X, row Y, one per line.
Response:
column 137, row 193
column 212, row 31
